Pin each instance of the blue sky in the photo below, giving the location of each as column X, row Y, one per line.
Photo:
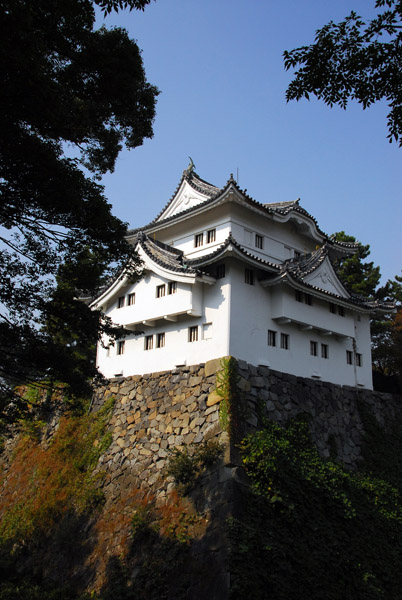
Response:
column 219, row 66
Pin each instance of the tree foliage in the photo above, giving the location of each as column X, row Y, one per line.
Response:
column 354, row 60
column 71, row 97
column 363, row 278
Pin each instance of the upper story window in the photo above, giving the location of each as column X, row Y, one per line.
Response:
column 120, row 347
column 332, row 308
column 131, row 299
column 359, row 360
column 308, row 299
column 349, row 357
column 341, row 311
column 298, row 296
column 249, row 276
column 271, row 337
column 297, row 254
column 121, row 302
column 313, row 348
column 259, row 241
column 198, row 240
column 160, row 290
column 284, row 341
column 220, row 271
column 324, row 351
column 149, row 342
column 172, row 287
column 211, row 236
column 160, row 340
column 193, row 334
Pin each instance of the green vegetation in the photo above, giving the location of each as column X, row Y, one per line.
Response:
column 232, row 409
column 45, row 484
column 186, row 464
column 312, row 529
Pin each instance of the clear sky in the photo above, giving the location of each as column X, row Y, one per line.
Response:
column 219, row 66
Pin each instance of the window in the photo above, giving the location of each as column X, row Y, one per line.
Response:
column 160, row 340
column 160, row 290
column 211, row 236
column 121, row 302
column 332, row 308
column 324, row 351
column 131, row 299
column 207, row 331
column 341, row 311
column 349, row 357
column 284, row 341
column 220, row 271
column 249, row 276
column 199, row 240
column 297, row 254
column 259, row 241
column 313, row 348
column 193, row 334
column 271, row 338
column 120, row 347
column 308, row 299
column 298, row 296
column 359, row 360
column 172, row 287
column 149, row 342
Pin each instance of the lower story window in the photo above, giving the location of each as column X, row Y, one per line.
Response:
column 160, row 340
column 359, row 360
column 349, row 357
column 271, row 338
column 120, row 347
column 193, row 334
column 324, row 351
column 284, row 341
column 249, row 276
column 149, row 342
column 313, row 348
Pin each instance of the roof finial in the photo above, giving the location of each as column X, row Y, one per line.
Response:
column 190, row 168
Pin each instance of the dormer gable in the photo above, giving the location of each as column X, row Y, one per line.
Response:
column 325, row 278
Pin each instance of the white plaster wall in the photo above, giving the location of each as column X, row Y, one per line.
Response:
column 212, row 339
column 251, row 318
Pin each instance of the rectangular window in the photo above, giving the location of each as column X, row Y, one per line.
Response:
column 211, row 236
column 199, row 240
column 249, row 276
column 131, row 299
column 341, row 311
column 313, row 348
column 121, row 302
column 207, row 331
column 220, row 271
column 359, row 360
column 160, row 290
column 271, row 338
column 299, row 296
column 120, row 347
column 193, row 334
column 332, row 308
column 297, row 254
column 324, row 351
column 160, row 340
column 284, row 341
column 308, row 299
column 259, row 241
column 149, row 342
column 349, row 357
column 172, row 287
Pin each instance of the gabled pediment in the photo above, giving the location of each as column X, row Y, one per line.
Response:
column 186, row 197
column 325, row 278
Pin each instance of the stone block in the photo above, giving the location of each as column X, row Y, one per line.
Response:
column 213, row 398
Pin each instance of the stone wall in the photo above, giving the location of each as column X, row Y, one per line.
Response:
column 158, row 412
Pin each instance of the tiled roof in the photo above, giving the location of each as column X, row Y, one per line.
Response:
column 164, row 255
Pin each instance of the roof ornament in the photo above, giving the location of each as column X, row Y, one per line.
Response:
column 191, row 167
